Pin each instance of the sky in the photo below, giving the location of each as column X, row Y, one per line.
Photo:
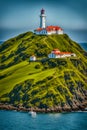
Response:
column 19, row 16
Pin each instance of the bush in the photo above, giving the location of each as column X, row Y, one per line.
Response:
column 3, row 58
column 37, row 66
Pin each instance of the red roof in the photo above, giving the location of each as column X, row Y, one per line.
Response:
column 53, row 28
column 65, row 52
column 57, row 51
column 39, row 29
column 50, row 28
column 61, row 53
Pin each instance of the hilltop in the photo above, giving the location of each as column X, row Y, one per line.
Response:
column 46, row 83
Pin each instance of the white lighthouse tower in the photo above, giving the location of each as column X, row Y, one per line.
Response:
column 42, row 19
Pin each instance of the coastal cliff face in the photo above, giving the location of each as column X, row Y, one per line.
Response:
column 46, row 83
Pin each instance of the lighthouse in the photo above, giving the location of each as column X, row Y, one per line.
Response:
column 46, row 30
column 42, row 19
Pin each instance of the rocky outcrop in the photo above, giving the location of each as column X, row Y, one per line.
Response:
column 58, row 109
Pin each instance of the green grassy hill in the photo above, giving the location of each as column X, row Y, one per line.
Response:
column 47, row 82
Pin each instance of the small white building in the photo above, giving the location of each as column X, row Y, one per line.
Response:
column 47, row 30
column 32, row 58
column 56, row 53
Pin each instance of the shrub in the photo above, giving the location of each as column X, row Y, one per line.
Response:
column 37, row 66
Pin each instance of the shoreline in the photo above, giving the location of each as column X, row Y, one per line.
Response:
column 82, row 107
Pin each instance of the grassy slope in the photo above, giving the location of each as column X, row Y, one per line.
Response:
column 19, row 73
column 55, row 82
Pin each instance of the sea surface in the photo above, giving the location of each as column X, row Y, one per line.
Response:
column 1, row 42
column 84, row 46
column 13, row 120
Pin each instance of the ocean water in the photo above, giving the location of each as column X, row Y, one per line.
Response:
column 12, row 120
column 84, row 46
column 1, row 42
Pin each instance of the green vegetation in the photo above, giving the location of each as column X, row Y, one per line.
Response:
column 46, row 82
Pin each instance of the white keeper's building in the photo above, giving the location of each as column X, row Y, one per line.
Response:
column 56, row 53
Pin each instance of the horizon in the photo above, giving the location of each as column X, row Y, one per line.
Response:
column 19, row 16
column 1, row 41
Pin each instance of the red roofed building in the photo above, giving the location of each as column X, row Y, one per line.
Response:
column 56, row 53
column 47, row 30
